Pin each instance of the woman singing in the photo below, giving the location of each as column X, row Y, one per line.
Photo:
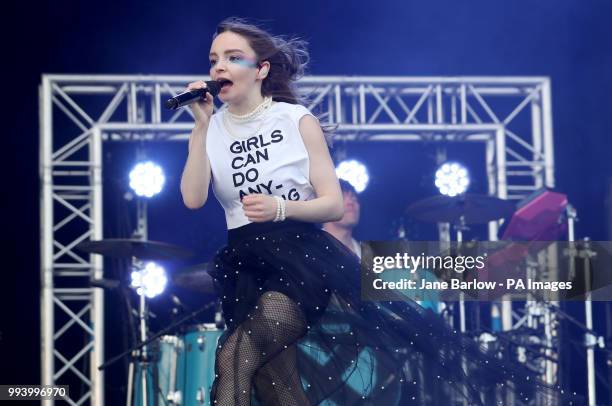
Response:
column 271, row 171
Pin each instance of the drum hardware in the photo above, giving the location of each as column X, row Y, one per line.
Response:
column 200, row 342
column 173, row 396
column 460, row 212
column 219, row 320
column 543, row 217
column 109, row 284
column 466, row 209
column 201, row 396
column 195, row 278
column 139, row 250
column 591, row 340
column 133, row 248
column 526, row 344
column 162, row 332
column 586, row 253
column 145, row 357
column 177, row 306
column 184, row 370
column 161, row 373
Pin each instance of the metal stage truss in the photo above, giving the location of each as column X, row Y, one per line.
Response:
column 78, row 113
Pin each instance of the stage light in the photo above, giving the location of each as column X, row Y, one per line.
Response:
column 149, row 281
column 147, row 179
column 355, row 173
column 452, row 179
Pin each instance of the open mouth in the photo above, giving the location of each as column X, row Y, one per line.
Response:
column 225, row 83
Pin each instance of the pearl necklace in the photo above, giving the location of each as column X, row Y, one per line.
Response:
column 230, row 120
column 264, row 105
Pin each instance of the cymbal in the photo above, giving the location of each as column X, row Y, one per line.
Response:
column 126, row 248
column 475, row 209
column 195, row 278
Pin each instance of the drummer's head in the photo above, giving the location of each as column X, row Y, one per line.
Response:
column 351, row 205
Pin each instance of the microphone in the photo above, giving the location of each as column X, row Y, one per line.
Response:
column 186, row 98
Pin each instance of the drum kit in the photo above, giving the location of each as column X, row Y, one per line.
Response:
column 529, row 230
column 176, row 365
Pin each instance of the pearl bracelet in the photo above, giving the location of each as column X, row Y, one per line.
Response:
column 280, row 209
column 283, row 209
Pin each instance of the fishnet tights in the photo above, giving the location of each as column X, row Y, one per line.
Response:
column 262, row 350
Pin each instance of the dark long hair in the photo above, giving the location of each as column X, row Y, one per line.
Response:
column 288, row 58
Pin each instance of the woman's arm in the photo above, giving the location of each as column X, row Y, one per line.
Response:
column 327, row 206
column 196, row 175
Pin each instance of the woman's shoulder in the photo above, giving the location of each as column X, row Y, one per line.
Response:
column 294, row 111
column 291, row 107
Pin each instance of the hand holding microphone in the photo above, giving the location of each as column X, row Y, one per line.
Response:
column 199, row 95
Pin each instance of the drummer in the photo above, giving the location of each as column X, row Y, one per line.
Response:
column 343, row 231
column 343, row 228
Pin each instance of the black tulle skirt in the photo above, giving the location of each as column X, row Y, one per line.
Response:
column 298, row 333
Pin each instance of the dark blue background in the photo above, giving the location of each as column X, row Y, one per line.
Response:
column 570, row 41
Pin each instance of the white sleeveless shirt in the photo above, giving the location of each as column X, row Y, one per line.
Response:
column 265, row 155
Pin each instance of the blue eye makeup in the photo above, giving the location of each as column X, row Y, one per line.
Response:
column 238, row 60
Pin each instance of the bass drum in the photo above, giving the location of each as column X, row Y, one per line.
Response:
column 182, row 369
column 429, row 299
column 363, row 378
column 196, row 366
column 161, row 374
